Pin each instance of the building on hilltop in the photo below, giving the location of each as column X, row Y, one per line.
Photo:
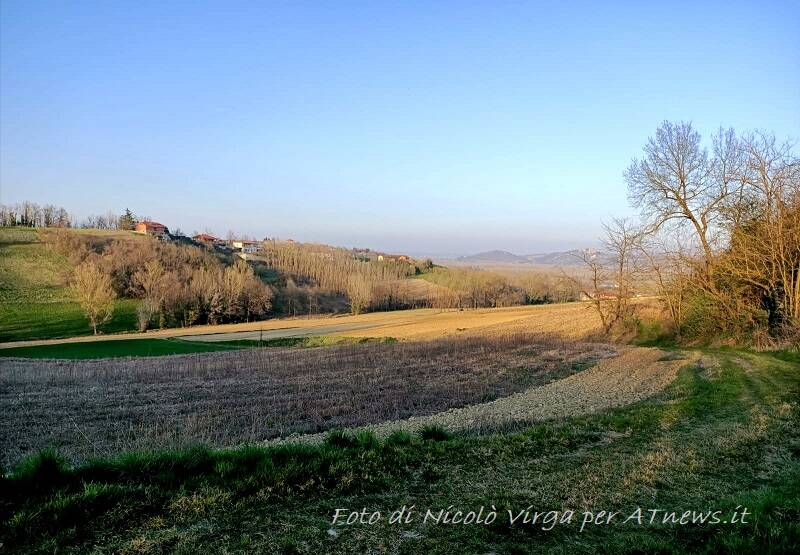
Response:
column 206, row 238
column 154, row 229
column 247, row 247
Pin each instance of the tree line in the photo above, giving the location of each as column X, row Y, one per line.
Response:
column 477, row 288
column 315, row 271
column 30, row 214
column 718, row 237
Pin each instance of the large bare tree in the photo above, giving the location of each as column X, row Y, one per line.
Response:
column 677, row 181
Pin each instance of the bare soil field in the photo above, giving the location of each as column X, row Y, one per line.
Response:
column 100, row 407
column 632, row 375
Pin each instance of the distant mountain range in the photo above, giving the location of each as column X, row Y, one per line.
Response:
column 495, row 257
column 500, row 257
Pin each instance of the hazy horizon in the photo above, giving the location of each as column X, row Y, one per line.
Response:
column 440, row 130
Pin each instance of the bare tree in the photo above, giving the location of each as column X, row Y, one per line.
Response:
column 611, row 275
column 764, row 249
column 669, row 263
column 677, row 181
column 92, row 289
column 150, row 279
column 359, row 291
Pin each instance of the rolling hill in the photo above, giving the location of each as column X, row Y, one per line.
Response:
column 501, row 258
column 493, row 257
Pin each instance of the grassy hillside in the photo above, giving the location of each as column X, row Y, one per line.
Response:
column 724, row 437
column 34, row 300
column 29, row 270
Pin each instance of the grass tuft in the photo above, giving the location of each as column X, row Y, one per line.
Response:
column 41, row 470
column 400, row 437
column 435, row 433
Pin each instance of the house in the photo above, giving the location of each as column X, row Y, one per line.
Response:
column 154, row 229
column 394, row 258
column 247, row 247
column 206, row 238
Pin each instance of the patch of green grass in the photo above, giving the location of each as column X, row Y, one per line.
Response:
column 653, row 334
column 708, row 442
column 435, row 433
column 24, row 321
column 30, row 272
column 787, row 356
column 115, row 348
column 160, row 347
column 306, row 341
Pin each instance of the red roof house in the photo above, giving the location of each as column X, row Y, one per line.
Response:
column 152, row 228
column 206, row 238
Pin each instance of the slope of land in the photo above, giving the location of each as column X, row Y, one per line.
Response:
column 722, row 437
column 239, row 396
column 34, row 300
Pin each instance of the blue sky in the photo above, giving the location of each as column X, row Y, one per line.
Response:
column 431, row 127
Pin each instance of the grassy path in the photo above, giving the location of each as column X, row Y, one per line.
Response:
column 725, row 434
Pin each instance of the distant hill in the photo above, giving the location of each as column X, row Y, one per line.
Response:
column 564, row 258
column 493, row 257
column 501, row 257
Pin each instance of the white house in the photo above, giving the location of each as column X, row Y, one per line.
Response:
column 247, row 247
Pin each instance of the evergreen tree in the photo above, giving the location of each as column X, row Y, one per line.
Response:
column 127, row 221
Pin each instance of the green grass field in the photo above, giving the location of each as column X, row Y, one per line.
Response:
column 20, row 321
column 161, row 347
column 724, row 437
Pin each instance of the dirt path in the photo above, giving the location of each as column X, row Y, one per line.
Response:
column 636, row 374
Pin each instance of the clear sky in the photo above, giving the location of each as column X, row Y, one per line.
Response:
column 431, row 127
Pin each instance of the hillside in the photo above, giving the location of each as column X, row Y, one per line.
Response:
column 716, row 434
column 29, row 271
column 35, row 302
column 290, row 279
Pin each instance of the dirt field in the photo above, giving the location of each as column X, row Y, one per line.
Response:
column 567, row 321
column 87, row 408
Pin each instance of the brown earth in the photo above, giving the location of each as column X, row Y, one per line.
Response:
column 93, row 407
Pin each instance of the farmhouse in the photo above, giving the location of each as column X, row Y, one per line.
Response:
column 206, row 238
column 247, row 247
column 155, row 229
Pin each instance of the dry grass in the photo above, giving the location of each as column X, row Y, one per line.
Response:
column 569, row 321
column 86, row 408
